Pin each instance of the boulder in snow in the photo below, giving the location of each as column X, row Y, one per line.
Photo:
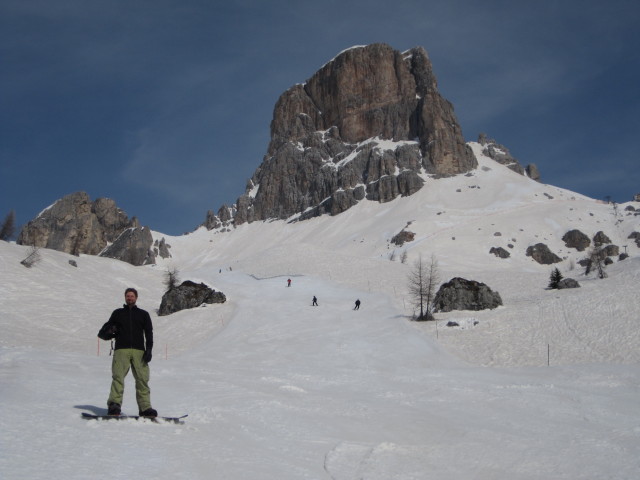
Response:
column 462, row 294
column 541, row 254
column 188, row 295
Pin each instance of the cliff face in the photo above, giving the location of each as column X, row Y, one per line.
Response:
column 75, row 224
column 329, row 144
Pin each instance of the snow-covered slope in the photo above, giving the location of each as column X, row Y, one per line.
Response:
column 278, row 389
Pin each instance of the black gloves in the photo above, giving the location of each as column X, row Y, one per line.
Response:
column 146, row 356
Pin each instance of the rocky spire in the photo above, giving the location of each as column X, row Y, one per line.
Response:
column 363, row 126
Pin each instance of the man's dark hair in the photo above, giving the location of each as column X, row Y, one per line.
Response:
column 130, row 289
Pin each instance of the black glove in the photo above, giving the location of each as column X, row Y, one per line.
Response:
column 146, row 356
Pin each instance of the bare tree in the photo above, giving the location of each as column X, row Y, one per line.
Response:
column 8, row 227
column 595, row 262
column 404, row 257
column 32, row 258
column 172, row 278
column 423, row 281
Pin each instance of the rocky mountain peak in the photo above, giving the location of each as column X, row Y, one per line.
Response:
column 74, row 224
column 365, row 125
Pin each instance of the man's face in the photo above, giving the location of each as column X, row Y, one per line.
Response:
column 130, row 298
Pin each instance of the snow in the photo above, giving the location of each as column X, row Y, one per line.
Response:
column 354, row 47
column 546, row 386
column 254, row 190
column 380, row 145
column 384, row 144
column 46, row 209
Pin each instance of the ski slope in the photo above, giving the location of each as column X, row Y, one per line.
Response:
column 546, row 386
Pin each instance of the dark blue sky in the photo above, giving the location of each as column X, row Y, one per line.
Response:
column 165, row 105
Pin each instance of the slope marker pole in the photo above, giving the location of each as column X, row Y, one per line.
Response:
column 548, row 354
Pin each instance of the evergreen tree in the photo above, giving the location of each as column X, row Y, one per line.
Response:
column 555, row 278
column 7, row 229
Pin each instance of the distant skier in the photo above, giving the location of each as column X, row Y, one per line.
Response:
column 288, row 282
column 357, row 307
column 315, row 301
column 132, row 329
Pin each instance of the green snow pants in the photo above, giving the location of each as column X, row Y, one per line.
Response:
column 123, row 359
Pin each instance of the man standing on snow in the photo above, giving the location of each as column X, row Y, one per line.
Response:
column 132, row 329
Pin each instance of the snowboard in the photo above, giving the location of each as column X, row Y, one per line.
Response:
column 90, row 416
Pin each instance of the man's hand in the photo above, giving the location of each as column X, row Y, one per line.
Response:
column 146, row 356
column 108, row 331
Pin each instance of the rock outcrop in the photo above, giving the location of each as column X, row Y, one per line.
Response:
column 576, row 239
column 501, row 154
column 161, row 248
column 132, row 246
column 532, row 172
column 600, row 239
column 74, row 224
column 541, row 254
column 461, row 294
column 500, row 252
column 568, row 283
column 402, row 237
column 611, row 250
column 188, row 295
column 366, row 125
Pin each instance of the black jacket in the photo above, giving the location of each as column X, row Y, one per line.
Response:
column 134, row 328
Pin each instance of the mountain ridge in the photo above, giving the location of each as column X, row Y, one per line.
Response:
column 463, row 207
column 368, row 125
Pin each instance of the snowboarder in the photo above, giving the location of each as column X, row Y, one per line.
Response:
column 315, row 301
column 133, row 332
column 288, row 282
column 357, row 307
